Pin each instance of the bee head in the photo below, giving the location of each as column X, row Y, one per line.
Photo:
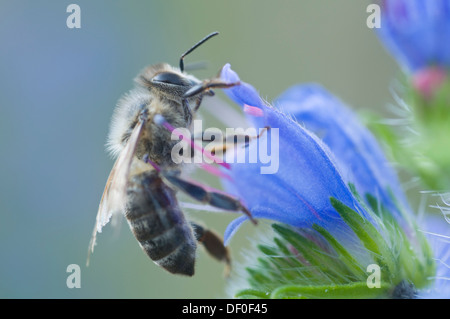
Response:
column 163, row 79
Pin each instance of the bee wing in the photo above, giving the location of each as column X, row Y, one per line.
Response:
column 115, row 193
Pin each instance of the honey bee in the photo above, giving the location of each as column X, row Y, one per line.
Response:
column 144, row 180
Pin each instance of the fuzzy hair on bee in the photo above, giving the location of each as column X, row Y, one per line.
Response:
column 124, row 119
column 158, row 98
column 144, row 180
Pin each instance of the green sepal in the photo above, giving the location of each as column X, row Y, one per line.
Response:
column 344, row 255
column 311, row 262
column 369, row 236
column 314, row 255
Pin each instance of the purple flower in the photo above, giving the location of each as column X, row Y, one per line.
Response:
column 336, row 191
column 359, row 158
column 308, row 175
column 417, row 32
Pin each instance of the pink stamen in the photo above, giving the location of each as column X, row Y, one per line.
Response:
column 155, row 166
column 253, row 111
column 159, row 119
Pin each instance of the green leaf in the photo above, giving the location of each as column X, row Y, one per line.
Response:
column 252, row 294
column 356, row 290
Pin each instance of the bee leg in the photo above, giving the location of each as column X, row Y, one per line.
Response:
column 213, row 245
column 187, row 111
column 213, row 198
column 160, row 120
column 199, row 101
column 207, row 85
column 187, row 108
column 236, row 140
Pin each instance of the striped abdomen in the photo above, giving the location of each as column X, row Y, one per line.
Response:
column 159, row 225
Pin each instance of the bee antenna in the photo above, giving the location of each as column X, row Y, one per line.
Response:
column 209, row 36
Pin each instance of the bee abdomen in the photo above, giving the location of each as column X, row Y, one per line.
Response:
column 173, row 248
column 181, row 260
column 166, row 243
column 159, row 225
column 148, row 226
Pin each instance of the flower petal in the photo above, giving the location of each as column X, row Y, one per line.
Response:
column 241, row 94
column 358, row 156
column 416, row 32
column 299, row 192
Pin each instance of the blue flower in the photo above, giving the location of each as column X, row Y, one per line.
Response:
column 335, row 188
column 358, row 156
column 417, row 32
column 298, row 194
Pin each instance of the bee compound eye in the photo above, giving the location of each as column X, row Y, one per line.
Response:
column 169, row 78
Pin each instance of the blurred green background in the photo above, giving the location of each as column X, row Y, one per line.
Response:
column 58, row 90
